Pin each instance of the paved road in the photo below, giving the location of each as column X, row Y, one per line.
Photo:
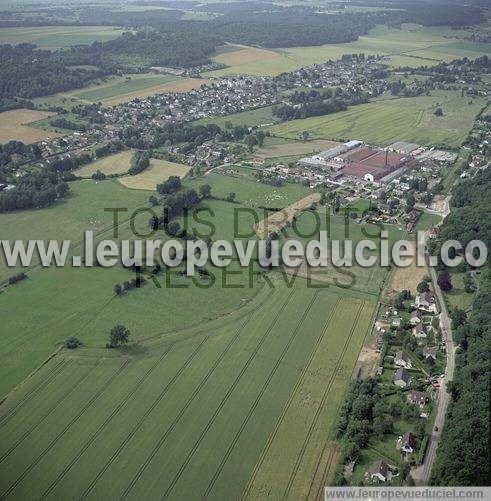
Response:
column 421, row 474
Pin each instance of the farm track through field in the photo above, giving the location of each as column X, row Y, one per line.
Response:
column 58, row 369
column 41, row 419
column 200, row 386
column 286, row 407
column 258, row 398
column 322, row 403
column 138, row 424
column 76, row 417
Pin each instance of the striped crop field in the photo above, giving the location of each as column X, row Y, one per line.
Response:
column 218, row 411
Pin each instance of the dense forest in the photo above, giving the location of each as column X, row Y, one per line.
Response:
column 463, row 454
column 28, row 72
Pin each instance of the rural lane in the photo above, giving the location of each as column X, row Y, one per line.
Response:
column 421, row 474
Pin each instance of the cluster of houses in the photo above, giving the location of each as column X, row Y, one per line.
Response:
column 353, row 74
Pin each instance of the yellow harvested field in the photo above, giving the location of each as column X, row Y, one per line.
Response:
column 407, row 278
column 244, row 55
column 294, row 148
column 112, row 164
column 181, row 85
column 14, row 126
column 159, row 171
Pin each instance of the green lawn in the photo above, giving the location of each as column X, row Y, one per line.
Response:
column 404, row 119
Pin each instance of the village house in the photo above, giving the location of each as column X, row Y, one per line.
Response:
column 415, row 317
column 402, row 359
column 402, row 378
column 430, row 352
column 419, row 331
column 416, row 397
column 426, row 302
column 406, row 443
column 380, row 471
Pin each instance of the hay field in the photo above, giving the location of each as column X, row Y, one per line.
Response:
column 403, row 119
column 294, row 148
column 242, row 54
column 118, row 163
column 14, row 126
column 55, row 37
column 159, row 171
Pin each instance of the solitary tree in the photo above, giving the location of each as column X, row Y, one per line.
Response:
column 118, row 289
column 205, row 190
column 438, row 112
column 231, row 197
column 423, row 286
column 444, row 281
column 118, row 336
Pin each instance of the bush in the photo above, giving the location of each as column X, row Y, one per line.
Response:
column 72, row 342
column 17, row 278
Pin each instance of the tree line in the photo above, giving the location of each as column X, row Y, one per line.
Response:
column 463, row 455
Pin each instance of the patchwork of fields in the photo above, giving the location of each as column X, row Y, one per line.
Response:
column 413, row 46
column 401, row 119
column 186, row 413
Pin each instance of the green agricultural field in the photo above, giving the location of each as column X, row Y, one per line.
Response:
column 45, row 123
column 250, row 192
column 55, row 37
column 124, row 86
column 82, row 210
column 189, row 414
column 402, row 119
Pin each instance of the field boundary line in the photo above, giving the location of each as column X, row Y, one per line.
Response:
column 46, row 414
column 58, row 369
column 322, row 403
column 71, row 422
column 272, row 436
column 138, row 424
column 259, row 396
column 197, row 390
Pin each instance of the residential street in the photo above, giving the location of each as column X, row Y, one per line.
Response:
column 421, row 474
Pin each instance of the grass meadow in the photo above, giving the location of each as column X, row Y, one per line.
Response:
column 400, row 119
